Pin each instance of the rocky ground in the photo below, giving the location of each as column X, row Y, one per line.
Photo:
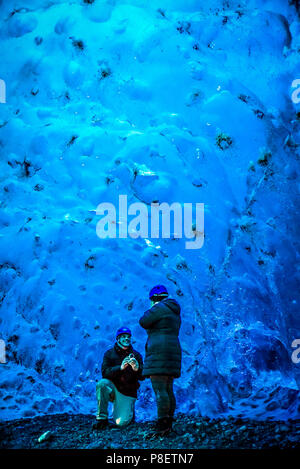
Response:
column 75, row 432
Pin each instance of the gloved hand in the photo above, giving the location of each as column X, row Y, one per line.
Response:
column 134, row 364
column 125, row 363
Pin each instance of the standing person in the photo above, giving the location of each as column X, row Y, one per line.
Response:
column 163, row 353
column 122, row 368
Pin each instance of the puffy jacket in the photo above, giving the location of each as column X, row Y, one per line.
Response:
column 163, row 352
column 127, row 380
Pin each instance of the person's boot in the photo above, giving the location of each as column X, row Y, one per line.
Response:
column 100, row 424
column 171, row 419
column 163, row 427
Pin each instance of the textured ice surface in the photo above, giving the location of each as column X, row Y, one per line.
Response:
column 162, row 101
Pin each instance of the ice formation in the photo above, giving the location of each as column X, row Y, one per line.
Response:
column 167, row 101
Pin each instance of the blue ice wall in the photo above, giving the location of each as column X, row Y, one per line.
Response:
column 176, row 101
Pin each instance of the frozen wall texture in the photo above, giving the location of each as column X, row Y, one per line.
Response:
column 174, row 101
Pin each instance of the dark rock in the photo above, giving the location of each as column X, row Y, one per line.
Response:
column 74, row 431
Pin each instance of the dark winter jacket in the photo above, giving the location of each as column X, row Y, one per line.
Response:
column 126, row 381
column 163, row 352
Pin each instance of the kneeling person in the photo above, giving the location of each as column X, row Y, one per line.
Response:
column 121, row 371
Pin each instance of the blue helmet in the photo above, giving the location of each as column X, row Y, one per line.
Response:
column 158, row 290
column 123, row 330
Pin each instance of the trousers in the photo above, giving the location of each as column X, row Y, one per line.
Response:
column 123, row 406
column 165, row 399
